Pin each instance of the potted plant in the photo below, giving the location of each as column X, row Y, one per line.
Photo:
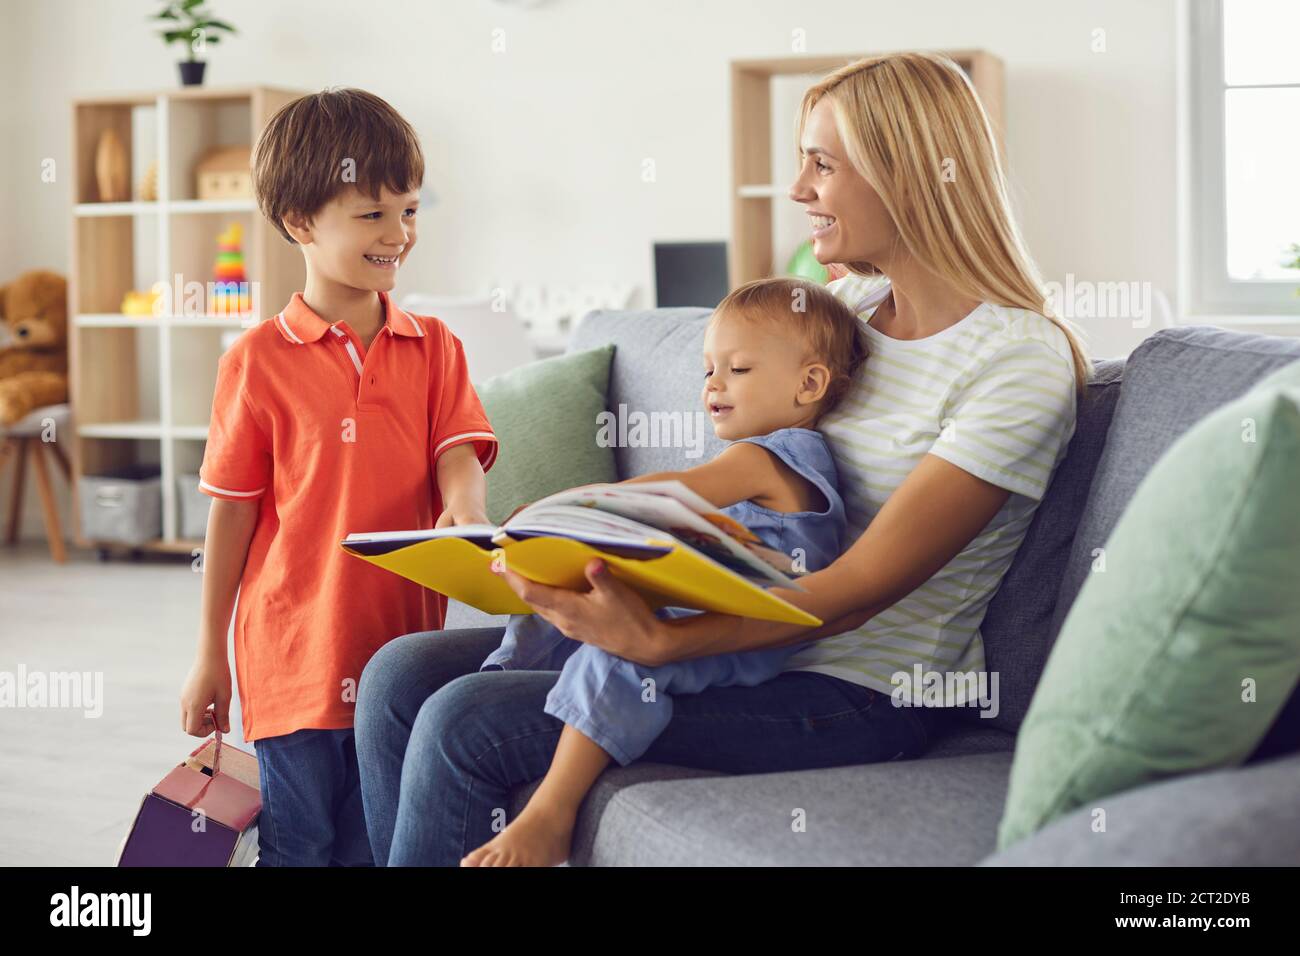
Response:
column 190, row 24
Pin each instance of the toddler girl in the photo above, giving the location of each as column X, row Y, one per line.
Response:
column 778, row 355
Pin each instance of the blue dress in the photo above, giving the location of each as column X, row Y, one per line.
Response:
column 624, row 706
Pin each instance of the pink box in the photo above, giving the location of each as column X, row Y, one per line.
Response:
column 203, row 813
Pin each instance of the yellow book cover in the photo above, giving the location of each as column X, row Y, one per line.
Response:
column 684, row 559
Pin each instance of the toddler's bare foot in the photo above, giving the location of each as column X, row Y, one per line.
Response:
column 539, row 836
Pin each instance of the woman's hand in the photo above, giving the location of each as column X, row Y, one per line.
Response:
column 610, row 615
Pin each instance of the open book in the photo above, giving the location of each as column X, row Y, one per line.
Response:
column 669, row 544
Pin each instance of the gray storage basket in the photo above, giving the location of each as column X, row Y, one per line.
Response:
column 194, row 507
column 122, row 506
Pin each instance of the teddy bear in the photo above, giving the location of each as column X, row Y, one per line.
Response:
column 34, row 365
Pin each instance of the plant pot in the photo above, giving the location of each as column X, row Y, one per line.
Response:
column 191, row 72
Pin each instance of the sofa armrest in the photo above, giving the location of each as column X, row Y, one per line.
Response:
column 1242, row 816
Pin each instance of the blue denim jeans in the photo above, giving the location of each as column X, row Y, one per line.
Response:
column 610, row 702
column 311, row 800
column 441, row 744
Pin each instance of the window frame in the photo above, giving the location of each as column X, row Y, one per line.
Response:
column 1212, row 291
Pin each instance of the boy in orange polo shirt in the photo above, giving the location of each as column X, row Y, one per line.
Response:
column 341, row 414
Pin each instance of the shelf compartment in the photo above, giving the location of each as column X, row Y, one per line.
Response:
column 114, row 255
column 107, row 384
column 102, row 454
column 198, row 126
column 192, row 254
column 136, row 125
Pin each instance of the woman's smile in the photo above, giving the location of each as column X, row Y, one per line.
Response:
column 821, row 224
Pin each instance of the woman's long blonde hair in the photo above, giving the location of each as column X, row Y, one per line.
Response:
column 915, row 130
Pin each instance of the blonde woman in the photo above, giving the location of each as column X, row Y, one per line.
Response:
column 945, row 446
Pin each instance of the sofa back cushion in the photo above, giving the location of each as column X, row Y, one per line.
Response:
column 655, row 383
column 1017, row 627
column 1172, row 379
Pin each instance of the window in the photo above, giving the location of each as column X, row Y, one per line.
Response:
column 1245, row 141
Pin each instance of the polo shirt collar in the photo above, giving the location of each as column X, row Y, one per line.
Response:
column 299, row 324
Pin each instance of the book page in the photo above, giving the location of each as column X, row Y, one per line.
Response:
column 678, row 491
column 661, row 513
column 382, row 542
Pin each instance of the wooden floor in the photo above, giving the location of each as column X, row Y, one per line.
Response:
column 70, row 784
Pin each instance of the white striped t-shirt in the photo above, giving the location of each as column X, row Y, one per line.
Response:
column 995, row 395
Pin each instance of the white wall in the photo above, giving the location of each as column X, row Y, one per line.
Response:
column 536, row 153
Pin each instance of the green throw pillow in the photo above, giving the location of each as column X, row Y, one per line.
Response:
column 1180, row 653
column 544, row 416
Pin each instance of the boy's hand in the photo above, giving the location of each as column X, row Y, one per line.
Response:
column 459, row 515
column 462, row 487
column 208, row 684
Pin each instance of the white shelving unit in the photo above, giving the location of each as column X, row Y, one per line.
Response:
column 142, row 385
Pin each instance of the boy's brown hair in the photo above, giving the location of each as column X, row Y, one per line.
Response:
column 827, row 326
column 318, row 145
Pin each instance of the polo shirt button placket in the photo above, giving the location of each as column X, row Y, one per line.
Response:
column 365, row 376
column 349, row 343
column 370, row 377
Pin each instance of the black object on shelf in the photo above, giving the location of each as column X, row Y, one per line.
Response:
column 690, row 274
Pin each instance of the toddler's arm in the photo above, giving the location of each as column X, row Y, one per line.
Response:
column 743, row 470
column 230, row 528
column 462, row 486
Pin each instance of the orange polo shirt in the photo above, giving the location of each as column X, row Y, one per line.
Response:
column 331, row 438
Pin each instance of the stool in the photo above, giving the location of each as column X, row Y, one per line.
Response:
column 15, row 442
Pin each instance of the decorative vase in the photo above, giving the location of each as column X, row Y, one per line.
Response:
column 192, row 72
column 111, row 168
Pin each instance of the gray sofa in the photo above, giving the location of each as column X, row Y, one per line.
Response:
column 943, row 808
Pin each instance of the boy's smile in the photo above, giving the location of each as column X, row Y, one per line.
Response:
column 358, row 241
